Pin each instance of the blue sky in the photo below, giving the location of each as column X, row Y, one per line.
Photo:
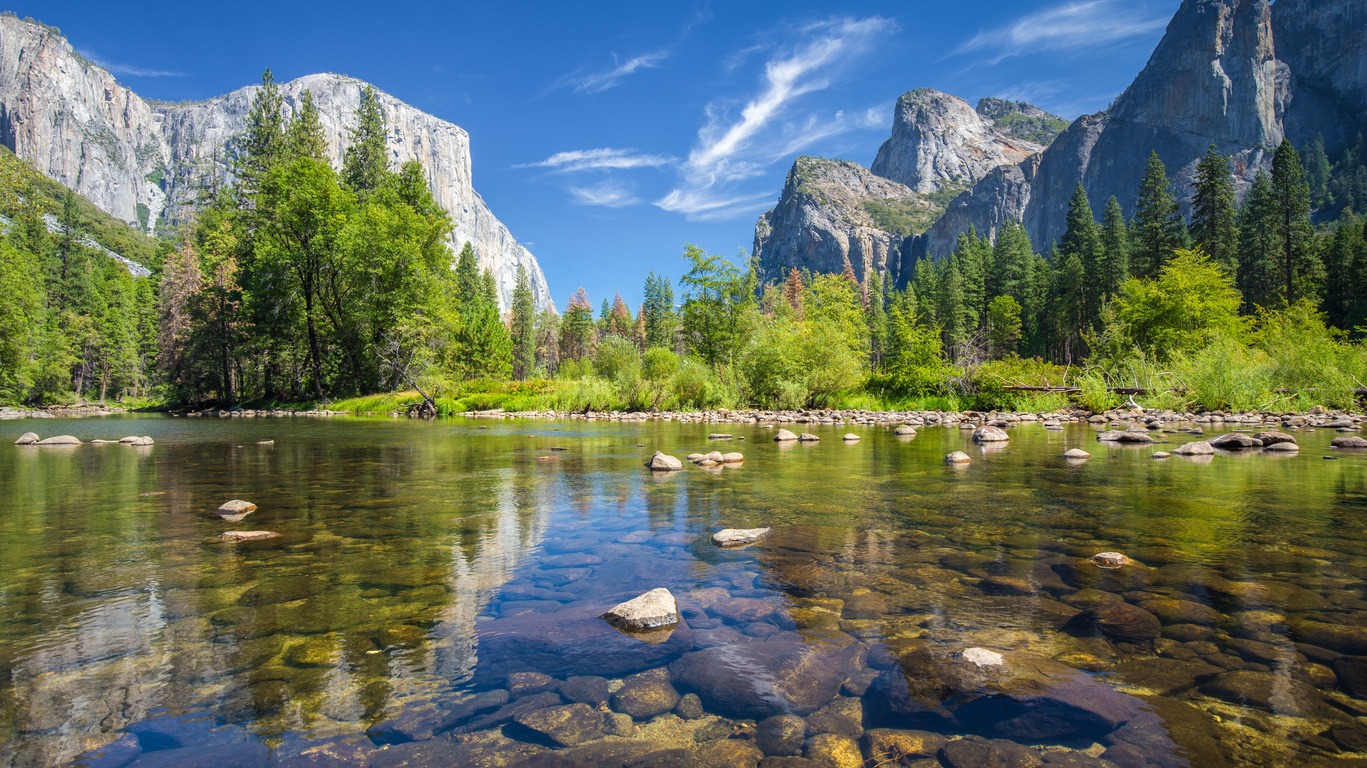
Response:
column 607, row 135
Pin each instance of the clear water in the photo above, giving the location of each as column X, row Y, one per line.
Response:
column 421, row 562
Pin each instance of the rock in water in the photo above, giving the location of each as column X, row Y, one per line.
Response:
column 1281, row 447
column 1110, row 560
column 1273, row 437
column 1116, row 621
column 236, row 507
column 59, row 440
column 652, row 610
column 1235, row 441
column 1076, row 454
column 144, row 440
column 957, row 457
column 662, row 462
column 1197, row 448
column 1347, row 441
column 732, row 458
column 784, row 436
column 850, row 437
column 758, row 680
column 989, row 434
column 28, row 438
column 808, row 437
column 235, row 536
column 568, row 725
column 906, row 430
column 739, row 537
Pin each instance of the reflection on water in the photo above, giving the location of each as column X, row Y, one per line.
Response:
column 422, row 564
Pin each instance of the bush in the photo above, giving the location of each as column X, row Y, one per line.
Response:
column 1095, row 396
column 1225, row 375
column 697, row 387
column 617, row 361
column 1307, row 358
column 659, row 364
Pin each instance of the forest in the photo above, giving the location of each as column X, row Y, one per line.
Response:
column 300, row 283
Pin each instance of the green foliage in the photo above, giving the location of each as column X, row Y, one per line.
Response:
column 1214, row 224
column 906, row 216
column 1191, row 302
column 1096, row 395
column 717, row 300
column 1225, row 374
column 1157, row 230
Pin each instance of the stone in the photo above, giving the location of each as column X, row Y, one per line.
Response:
column 236, row 508
column 850, row 437
column 982, row 657
column 891, row 746
column 242, row 755
column 646, row 695
column 989, row 434
column 977, row 752
column 1344, row 638
column 834, row 751
column 808, row 437
column 1195, row 448
column 733, row 457
column 1116, row 621
column 1235, row 441
column 1076, row 454
column 585, row 689
column 59, row 440
column 957, row 457
column 1006, row 585
column 844, row 715
column 1352, row 675
column 781, row 735
column 1282, row 448
column 417, row 724
column 759, row 679
column 905, row 431
column 526, row 683
column 662, row 462
column 1109, row 560
column 236, row 536
column 720, row 436
column 784, row 436
column 689, row 707
column 1347, row 441
column 1126, row 436
column 28, row 438
column 1274, row 437
column 1264, row 690
column 651, row 610
column 1178, row 611
column 739, row 537
column 138, row 441
column 567, row 725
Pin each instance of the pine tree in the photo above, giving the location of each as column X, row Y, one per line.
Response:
column 1318, row 172
column 523, row 326
column 467, row 275
column 973, row 255
column 1345, row 260
column 1214, row 221
column 1013, row 260
column 1082, row 241
column 877, row 320
column 263, row 143
column 1157, row 229
column 1069, row 298
column 305, row 134
column 576, row 328
column 954, row 321
column 1115, row 251
column 1258, row 243
column 660, row 318
column 1298, row 257
column 366, row 161
column 619, row 319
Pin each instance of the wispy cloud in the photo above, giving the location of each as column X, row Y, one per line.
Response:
column 597, row 82
column 1072, row 25
column 603, row 158
column 130, row 70
column 731, row 149
column 607, row 194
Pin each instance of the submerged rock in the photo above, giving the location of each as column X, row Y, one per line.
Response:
column 761, row 679
column 646, row 695
column 567, row 725
column 781, row 735
column 957, row 457
column 739, row 537
column 1274, row 437
column 1109, row 560
column 1347, row 441
column 1235, row 441
column 651, row 610
column 662, row 462
column 235, row 536
column 1127, row 436
column 808, row 437
column 989, row 434
column 1282, row 448
column 906, row 430
column 1116, row 621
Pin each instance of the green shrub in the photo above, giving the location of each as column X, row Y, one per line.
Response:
column 1095, row 396
column 659, row 364
column 1225, row 375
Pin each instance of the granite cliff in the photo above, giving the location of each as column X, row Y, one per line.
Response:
column 148, row 162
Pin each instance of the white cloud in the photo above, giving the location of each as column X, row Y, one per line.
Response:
column 731, row 149
column 603, row 158
column 131, row 70
column 1073, row 25
column 607, row 194
column 598, row 82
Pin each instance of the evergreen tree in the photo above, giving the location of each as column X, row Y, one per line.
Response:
column 877, row 321
column 21, row 319
column 1003, row 327
column 1082, row 241
column 1115, row 251
column 1157, row 229
column 523, row 328
column 954, row 320
column 1318, row 172
column 1214, row 222
column 1345, row 257
column 1258, row 246
column 576, row 328
column 305, row 134
column 1069, row 310
column 660, row 319
column 366, row 161
column 467, row 275
column 1013, row 260
column 1297, row 257
column 619, row 319
column 925, row 288
column 263, row 143
column 973, row 255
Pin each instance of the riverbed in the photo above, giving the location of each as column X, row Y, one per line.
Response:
column 434, row 593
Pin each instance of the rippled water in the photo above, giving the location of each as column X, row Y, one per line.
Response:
column 420, row 564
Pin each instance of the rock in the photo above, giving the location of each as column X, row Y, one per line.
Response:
column 1352, row 675
column 567, row 725
column 784, row 436
column 646, row 695
column 905, row 430
column 1176, row 611
column 1006, row 585
column 988, row 434
column 850, row 437
column 1282, row 448
column 241, row 755
column 1344, row 638
column 1235, row 441
column 1274, row 437
column 720, row 436
column 1116, row 621
column 1264, row 690
column 265, row 442
column 982, row 657
column 138, row 441
column 976, row 752
column 781, row 735
column 59, row 440
column 1196, row 448
column 585, row 689
column 509, row 712
column 1127, row 436
column 236, row 508
column 689, row 707
column 844, row 715
column 808, row 437
column 28, row 438
column 1161, row 455
column 834, row 751
column 235, row 536
column 651, row 610
column 760, row 679
column 128, row 439
column 957, row 457
column 414, row 724
column 739, row 537
column 732, row 458
column 526, row 683
column 662, row 462
column 1347, row 441
column 890, row 746
column 1109, row 560
column 1076, row 454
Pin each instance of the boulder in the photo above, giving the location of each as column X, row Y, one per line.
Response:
column 567, row 725
column 957, row 457
column 28, row 438
column 1274, row 437
column 989, row 434
column 651, row 610
column 732, row 458
column 906, row 430
column 1196, row 448
column 760, row 679
column 808, row 437
column 784, row 436
column 1264, row 690
column 850, row 437
column 1125, row 436
column 588, row 689
column 646, row 695
column 236, row 508
column 144, row 440
column 1347, row 441
column 1076, row 454
column 977, row 752
column 1235, row 441
column 1109, row 560
column 235, row 536
column 890, row 746
column 739, row 537
column 781, row 735
column 1160, row 455
column 662, row 462
column 1116, row 621
column 59, row 440
column 1282, row 448
column 834, row 750
column 720, row 436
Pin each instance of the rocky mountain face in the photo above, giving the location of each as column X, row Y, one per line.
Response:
column 149, row 162
column 1324, row 46
column 940, row 142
